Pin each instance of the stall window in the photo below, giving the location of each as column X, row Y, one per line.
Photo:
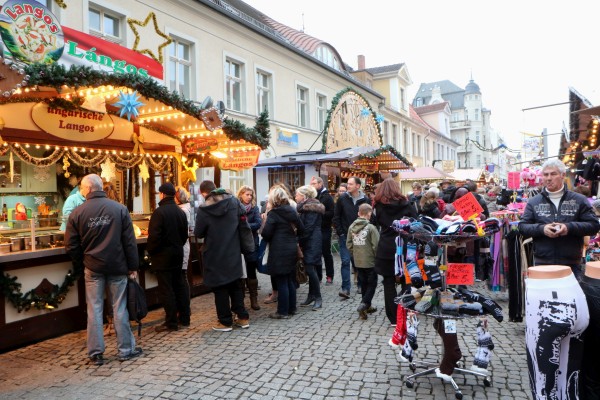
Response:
column 234, row 84
column 302, row 102
column 321, row 111
column 264, row 84
column 293, row 177
column 106, row 24
column 236, row 181
column 180, row 67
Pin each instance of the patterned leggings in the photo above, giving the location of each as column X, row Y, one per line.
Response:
column 556, row 315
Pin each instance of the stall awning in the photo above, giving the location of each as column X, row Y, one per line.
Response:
column 385, row 158
column 426, row 174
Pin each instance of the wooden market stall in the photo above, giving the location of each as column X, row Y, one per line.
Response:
column 120, row 124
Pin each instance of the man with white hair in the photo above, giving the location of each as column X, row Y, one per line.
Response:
column 558, row 219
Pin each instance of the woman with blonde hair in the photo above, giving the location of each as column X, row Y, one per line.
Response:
column 429, row 205
column 311, row 212
column 281, row 227
column 247, row 198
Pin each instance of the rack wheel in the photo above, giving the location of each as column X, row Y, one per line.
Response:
column 487, row 382
column 409, row 384
column 458, row 395
column 412, row 367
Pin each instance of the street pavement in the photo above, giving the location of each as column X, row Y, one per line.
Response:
column 326, row 354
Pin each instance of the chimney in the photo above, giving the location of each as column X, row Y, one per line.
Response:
column 361, row 62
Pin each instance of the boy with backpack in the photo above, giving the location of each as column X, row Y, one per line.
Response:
column 362, row 242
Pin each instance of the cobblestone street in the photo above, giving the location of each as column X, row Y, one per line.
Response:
column 326, row 354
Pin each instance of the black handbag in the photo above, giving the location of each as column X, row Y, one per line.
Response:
column 246, row 238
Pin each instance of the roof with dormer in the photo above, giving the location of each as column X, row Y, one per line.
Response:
column 431, row 108
column 450, row 92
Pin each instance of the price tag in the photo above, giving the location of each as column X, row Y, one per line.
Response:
column 467, row 206
column 450, row 326
column 460, row 274
column 443, row 267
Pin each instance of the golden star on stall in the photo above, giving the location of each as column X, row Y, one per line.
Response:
column 134, row 24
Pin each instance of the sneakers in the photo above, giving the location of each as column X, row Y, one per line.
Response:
column 344, row 294
column 329, row 281
column 242, row 323
column 136, row 352
column 219, row 327
column 96, row 359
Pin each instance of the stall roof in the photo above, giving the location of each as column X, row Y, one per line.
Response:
column 309, row 157
column 425, row 173
column 385, row 158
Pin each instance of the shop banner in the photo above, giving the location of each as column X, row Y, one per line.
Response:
column 32, row 34
column 241, row 161
column 74, row 125
column 200, row 145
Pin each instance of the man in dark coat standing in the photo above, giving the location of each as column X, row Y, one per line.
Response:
column 167, row 233
column 346, row 211
column 217, row 223
column 99, row 238
column 325, row 198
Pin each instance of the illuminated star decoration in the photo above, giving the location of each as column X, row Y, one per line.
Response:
column 379, row 118
column 129, row 104
column 365, row 112
column 109, row 170
column 144, row 171
column 134, row 24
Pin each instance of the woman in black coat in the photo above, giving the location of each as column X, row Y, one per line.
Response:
column 390, row 204
column 311, row 214
column 247, row 198
column 280, row 230
column 429, row 205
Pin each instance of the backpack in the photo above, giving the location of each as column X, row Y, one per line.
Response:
column 136, row 303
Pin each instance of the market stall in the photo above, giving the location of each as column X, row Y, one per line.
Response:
column 110, row 116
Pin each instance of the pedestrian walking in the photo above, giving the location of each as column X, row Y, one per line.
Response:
column 167, row 233
column 325, row 198
column 311, row 212
column 217, row 223
column 281, row 228
column 99, row 238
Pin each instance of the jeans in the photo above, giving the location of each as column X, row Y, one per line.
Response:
column 286, row 293
column 327, row 256
column 314, row 284
column 345, row 270
column 368, row 279
column 171, row 293
column 230, row 298
column 94, row 297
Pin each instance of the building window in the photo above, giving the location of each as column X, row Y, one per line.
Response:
column 419, row 102
column 394, row 135
column 477, row 114
column 419, row 146
column 478, row 160
column 386, row 133
column 293, row 177
column 321, row 111
column 426, row 151
column 105, row 24
column 402, row 99
column 405, row 149
column 234, row 72
column 414, row 144
column 236, row 180
column 302, row 103
column 325, row 55
column 180, row 68
column 455, row 117
column 477, row 137
column 264, row 83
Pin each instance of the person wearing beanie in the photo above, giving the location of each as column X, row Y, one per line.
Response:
column 167, row 233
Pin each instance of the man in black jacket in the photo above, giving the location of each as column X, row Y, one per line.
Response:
column 99, row 238
column 167, row 233
column 346, row 211
column 325, row 198
column 557, row 219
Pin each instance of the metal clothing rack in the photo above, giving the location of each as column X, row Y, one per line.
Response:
column 445, row 241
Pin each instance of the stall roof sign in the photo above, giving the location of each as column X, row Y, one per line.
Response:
column 32, row 34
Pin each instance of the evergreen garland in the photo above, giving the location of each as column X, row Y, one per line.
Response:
column 259, row 135
column 384, row 149
column 24, row 302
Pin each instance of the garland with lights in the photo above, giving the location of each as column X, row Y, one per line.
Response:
column 24, row 302
column 385, row 149
column 87, row 162
column 77, row 76
column 37, row 161
column 334, row 104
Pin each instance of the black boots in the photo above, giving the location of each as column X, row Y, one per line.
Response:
column 253, row 289
column 309, row 300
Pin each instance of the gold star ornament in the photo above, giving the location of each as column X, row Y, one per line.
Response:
column 144, row 34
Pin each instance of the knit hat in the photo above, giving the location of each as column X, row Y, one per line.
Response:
column 167, row 189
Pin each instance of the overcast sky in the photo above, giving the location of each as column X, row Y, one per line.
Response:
column 521, row 53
